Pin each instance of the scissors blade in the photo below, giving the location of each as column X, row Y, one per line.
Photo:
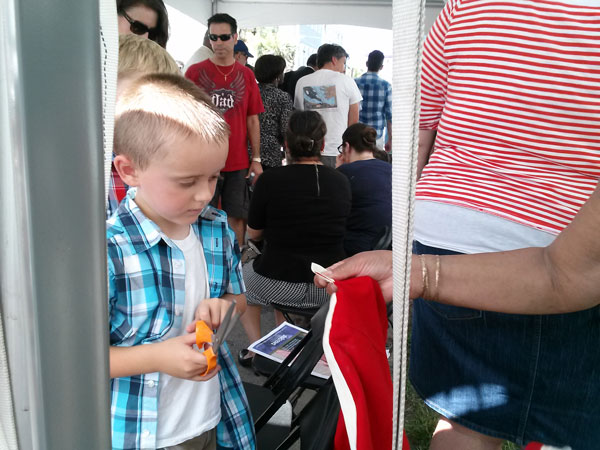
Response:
column 224, row 328
column 234, row 317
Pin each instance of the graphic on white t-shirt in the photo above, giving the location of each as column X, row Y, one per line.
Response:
column 320, row 97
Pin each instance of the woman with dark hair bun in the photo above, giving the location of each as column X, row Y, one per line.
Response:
column 146, row 18
column 278, row 107
column 371, row 183
column 300, row 211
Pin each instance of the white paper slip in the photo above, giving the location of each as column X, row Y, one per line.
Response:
column 318, row 270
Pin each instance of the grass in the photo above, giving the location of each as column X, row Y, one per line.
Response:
column 420, row 420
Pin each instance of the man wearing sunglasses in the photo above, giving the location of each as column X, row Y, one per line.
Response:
column 234, row 91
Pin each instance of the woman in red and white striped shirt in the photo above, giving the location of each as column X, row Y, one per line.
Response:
column 510, row 131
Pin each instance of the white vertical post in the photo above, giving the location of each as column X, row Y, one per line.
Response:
column 408, row 23
column 53, row 259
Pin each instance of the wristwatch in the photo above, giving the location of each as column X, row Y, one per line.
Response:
column 256, row 160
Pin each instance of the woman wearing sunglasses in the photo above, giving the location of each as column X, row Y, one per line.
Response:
column 146, row 18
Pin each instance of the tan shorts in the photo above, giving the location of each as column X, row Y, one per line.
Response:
column 206, row 441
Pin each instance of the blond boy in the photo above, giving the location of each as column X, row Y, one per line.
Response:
column 138, row 56
column 172, row 260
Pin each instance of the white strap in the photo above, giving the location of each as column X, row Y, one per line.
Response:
column 408, row 25
column 109, row 52
column 8, row 431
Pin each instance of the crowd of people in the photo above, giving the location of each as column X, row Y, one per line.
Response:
column 505, row 318
column 189, row 149
column 509, row 152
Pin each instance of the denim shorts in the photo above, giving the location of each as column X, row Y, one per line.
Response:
column 521, row 378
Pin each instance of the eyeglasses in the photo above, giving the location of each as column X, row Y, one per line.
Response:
column 223, row 37
column 341, row 148
column 137, row 27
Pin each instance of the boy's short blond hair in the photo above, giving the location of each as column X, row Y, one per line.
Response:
column 138, row 55
column 156, row 109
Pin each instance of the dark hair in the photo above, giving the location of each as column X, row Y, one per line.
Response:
column 305, row 134
column 206, row 39
column 375, row 61
column 268, row 68
column 161, row 36
column 382, row 155
column 312, row 60
column 361, row 137
column 327, row 52
column 223, row 18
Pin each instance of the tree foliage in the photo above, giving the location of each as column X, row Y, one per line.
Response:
column 265, row 41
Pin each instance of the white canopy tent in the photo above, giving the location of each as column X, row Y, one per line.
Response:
column 53, row 290
column 409, row 20
column 254, row 13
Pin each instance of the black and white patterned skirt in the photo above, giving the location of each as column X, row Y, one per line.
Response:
column 263, row 291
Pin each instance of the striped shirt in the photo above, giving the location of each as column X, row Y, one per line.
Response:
column 146, row 273
column 513, row 89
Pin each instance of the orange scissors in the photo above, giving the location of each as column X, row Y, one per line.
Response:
column 204, row 335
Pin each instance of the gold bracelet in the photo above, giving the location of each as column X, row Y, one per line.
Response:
column 424, row 276
column 438, row 263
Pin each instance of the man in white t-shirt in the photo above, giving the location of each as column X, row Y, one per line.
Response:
column 203, row 53
column 331, row 93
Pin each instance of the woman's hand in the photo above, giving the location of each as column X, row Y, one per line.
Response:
column 375, row 264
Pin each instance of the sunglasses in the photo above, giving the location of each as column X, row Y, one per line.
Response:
column 223, row 37
column 138, row 27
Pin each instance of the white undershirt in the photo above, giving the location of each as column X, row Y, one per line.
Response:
column 465, row 230
column 187, row 409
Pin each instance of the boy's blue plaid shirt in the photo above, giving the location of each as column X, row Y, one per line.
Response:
column 146, row 285
column 376, row 106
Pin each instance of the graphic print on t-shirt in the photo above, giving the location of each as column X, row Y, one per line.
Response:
column 320, row 97
column 224, row 99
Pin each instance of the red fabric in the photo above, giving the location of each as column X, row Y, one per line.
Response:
column 341, row 437
column 119, row 188
column 538, row 446
column 534, row 446
column 405, row 445
column 354, row 343
column 237, row 97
